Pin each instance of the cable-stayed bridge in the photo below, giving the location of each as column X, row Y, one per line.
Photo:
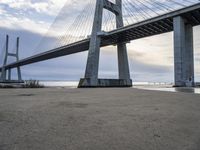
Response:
column 146, row 17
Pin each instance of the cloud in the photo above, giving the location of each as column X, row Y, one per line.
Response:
column 2, row 11
column 41, row 16
column 49, row 7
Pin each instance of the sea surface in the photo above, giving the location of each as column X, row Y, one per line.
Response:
column 139, row 85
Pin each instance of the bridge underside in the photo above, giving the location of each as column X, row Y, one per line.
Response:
column 151, row 27
column 154, row 26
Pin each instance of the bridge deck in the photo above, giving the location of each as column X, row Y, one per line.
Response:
column 153, row 26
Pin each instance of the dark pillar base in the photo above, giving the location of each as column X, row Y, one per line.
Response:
column 85, row 83
column 184, row 84
column 11, row 81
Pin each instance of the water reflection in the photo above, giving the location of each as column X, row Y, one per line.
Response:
column 60, row 83
column 186, row 90
column 171, row 89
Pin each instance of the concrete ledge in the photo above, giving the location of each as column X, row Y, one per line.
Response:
column 86, row 83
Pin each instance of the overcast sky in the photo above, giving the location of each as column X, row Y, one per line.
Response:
column 151, row 59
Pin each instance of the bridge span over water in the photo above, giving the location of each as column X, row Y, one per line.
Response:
column 181, row 22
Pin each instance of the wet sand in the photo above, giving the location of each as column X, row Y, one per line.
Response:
column 98, row 119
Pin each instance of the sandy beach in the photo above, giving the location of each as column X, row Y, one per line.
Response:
column 98, row 119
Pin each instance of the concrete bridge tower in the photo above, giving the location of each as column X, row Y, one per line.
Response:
column 91, row 73
column 183, row 52
column 6, row 73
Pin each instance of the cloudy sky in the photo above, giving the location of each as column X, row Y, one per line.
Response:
column 39, row 22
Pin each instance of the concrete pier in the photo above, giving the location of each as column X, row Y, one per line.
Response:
column 6, row 74
column 91, row 73
column 183, row 52
column 123, row 64
column 92, row 67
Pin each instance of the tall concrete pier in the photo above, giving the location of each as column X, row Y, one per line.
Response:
column 6, row 73
column 183, row 52
column 91, row 73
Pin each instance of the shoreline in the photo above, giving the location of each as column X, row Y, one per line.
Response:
column 151, row 87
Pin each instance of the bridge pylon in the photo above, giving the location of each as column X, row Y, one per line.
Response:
column 91, row 73
column 183, row 52
column 6, row 72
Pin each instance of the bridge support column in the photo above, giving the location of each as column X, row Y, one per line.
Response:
column 9, row 74
column 183, row 53
column 91, row 73
column 123, row 64
column 6, row 73
column 3, row 75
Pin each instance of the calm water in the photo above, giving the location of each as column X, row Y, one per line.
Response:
column 138, row 85
column 171, row 89
column 60, row 83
